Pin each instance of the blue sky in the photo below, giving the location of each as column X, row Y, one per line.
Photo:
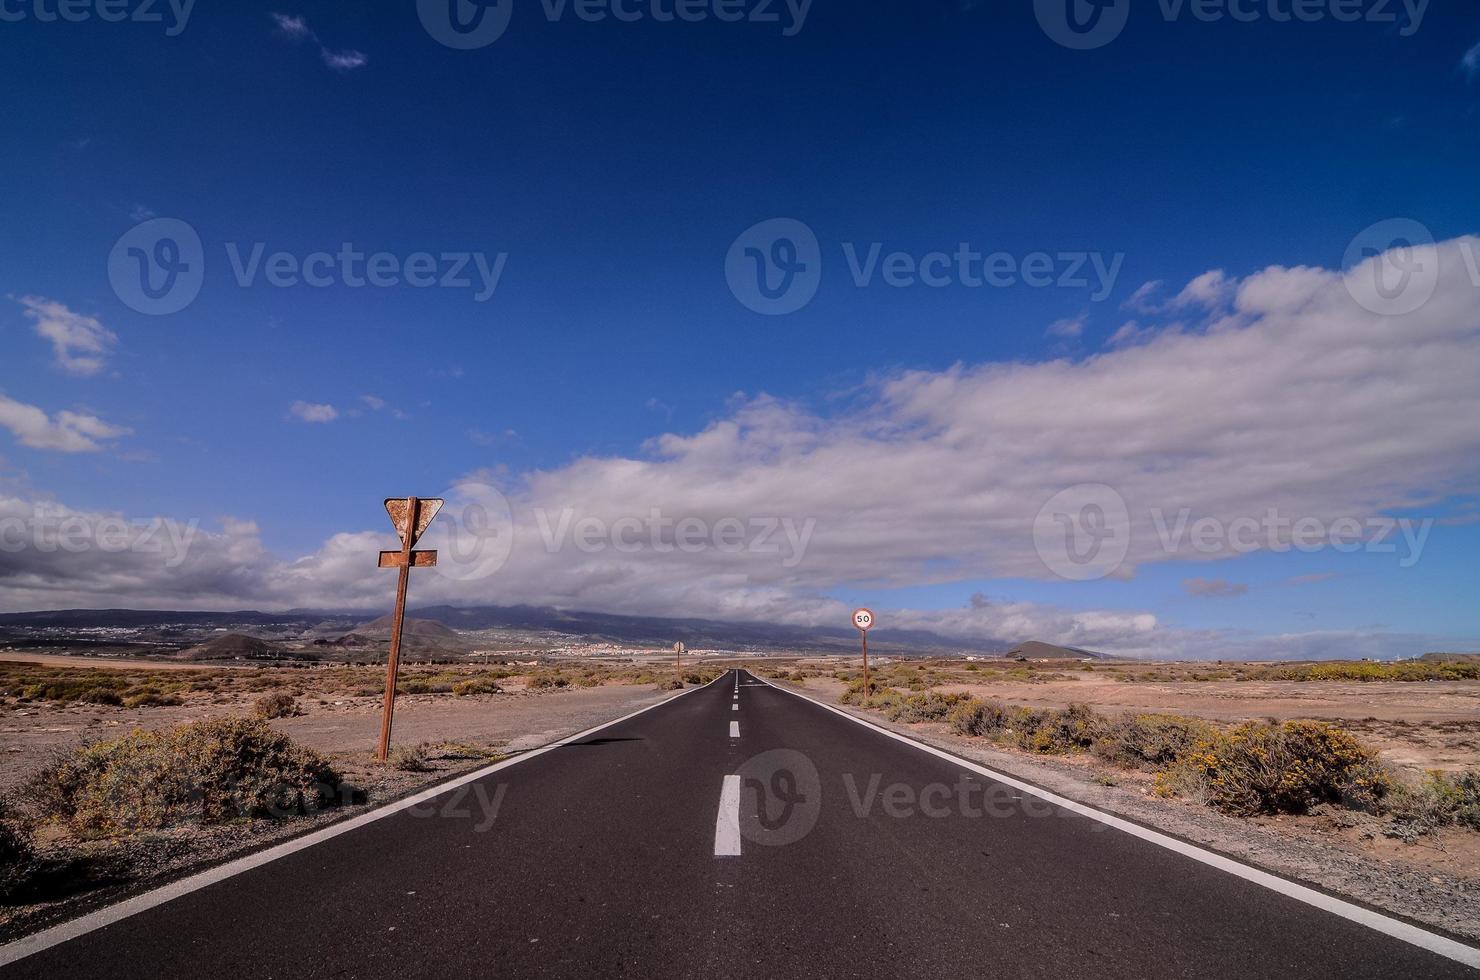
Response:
column 613, row 165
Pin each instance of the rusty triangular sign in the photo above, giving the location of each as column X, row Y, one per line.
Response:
column 426, row 507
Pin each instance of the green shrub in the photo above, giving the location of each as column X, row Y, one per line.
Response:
column 1289, row 768
column 206, row 772
column 276, row 706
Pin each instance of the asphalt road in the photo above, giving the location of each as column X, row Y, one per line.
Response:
column 858, row 855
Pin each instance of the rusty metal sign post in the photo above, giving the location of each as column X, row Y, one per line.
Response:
column 863, row 619
column 411, row 517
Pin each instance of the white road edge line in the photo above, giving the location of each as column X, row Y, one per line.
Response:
column 727, row 824
column 29, row 945
column 734, row 729
column 1448, row 948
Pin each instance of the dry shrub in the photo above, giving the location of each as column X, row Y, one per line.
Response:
column 1149, row 741
column 670, row 684
column 205, row 772
column 1438, row 801
column 1263, row 768
column 917, row 708
column 410, row 758
column 17, row 858
column 541, row 682
column 469, row 688
column 278, row 705
column 1050, row 732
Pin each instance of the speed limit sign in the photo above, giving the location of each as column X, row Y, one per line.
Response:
column 863, row 619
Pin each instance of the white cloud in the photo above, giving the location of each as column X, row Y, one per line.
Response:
column 295, row 29
column 291, row 26
column 310, row 412
column 1470, row 63
column 1209, row 291
column 344, row 60
column 68, row 432
column 1068, row 328
column 81, row 343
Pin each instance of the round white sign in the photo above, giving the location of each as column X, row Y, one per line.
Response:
column 863, row 619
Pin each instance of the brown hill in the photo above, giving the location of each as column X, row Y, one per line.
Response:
column 1037, row 650
column 236, row 646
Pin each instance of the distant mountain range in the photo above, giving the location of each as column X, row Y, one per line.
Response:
column 550, row 626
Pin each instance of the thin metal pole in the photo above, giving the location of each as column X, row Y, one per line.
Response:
column 393, row 665
column 866, row 697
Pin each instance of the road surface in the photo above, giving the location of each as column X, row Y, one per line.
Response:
column 735, row 831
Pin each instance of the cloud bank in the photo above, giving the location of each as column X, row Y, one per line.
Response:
column 1279, row 391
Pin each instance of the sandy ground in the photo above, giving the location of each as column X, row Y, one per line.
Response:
column 1435, row 881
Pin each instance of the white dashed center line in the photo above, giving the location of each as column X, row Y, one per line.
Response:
column 727, row 825
column 734, row 729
